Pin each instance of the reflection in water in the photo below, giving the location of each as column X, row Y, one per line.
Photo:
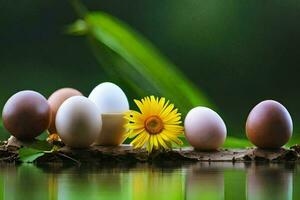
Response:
column 52, row 186
column 204, row 182
column 76, row 185
column 269, row 182
column 24, row 182
column 155, row 184
column 198, row 181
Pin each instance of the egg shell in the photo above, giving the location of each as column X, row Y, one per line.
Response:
column 26, row 115
column 204, row 129
column 269, row 125
column 78, row 122
column 109, row 98
column 55, row 101
column 113, row 130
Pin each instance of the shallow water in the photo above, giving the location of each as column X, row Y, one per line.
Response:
column 195, row 181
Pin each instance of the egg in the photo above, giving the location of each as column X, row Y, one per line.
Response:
column 113, row 130
column 26, row 115
column 78, row 122
column 112, row 102
column 204, row 129
column 55, row 101
column 109, row 98
column 269, row 125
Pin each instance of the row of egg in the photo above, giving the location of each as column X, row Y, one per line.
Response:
column 81, row 121
column 78, row 120
column 269, row 125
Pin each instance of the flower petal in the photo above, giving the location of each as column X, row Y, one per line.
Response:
column 161, row 141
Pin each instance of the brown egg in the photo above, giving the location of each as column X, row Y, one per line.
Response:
column 26, row 115
column 55, row 101
column 269, row 125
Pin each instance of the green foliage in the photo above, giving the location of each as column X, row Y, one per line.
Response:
column 43, row 136
column 41, row 145
column 33, row 150
column 132, row 61
column 29, row 155
column 232, row 142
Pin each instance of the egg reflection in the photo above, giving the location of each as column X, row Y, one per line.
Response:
column 269, row 182
column 196, row 181
column 204, row 182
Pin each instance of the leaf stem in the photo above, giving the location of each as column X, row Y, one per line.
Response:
column 68, row 157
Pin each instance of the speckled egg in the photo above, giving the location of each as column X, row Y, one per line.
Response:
column 78, row 122
column 204, row 129
column 26, row 115
column 269, row 125
column 55, row 101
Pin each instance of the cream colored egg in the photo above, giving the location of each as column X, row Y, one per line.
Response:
column 113, row 130
column 78, row 122
column 204, row 129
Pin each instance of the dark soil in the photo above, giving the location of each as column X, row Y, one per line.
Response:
column 125, row 155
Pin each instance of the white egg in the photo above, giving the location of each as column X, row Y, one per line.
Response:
column 78, row 122
column 109, row 98
column 204, row 129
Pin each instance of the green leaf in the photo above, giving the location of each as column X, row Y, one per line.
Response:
column 137, row 66
column 132, row 61
column 40, row 145
column 43, row 136
column 29, row 155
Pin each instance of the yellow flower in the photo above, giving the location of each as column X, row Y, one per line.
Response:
column 156, row 126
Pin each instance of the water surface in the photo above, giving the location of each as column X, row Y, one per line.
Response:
column 193, row 181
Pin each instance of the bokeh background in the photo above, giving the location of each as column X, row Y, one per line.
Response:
column 238, row 52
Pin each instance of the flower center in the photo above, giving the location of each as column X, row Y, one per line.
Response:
column 154, row 125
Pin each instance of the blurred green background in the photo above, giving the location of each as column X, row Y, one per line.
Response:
column 237, row 52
